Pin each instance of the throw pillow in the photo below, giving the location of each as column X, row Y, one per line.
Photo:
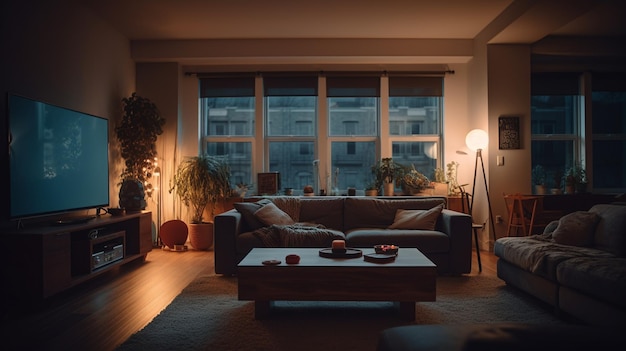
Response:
column 271, row 214
column 576, row 229
column 417, row 219
column 247, row 210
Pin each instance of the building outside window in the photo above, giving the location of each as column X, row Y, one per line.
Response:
column 297, row 136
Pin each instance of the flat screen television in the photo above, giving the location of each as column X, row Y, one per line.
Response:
column 58, row 159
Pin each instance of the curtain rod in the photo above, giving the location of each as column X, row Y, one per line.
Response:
column 322, row 73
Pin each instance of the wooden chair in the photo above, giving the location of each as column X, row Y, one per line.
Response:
column 526, row 213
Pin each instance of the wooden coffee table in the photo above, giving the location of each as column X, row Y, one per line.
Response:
column 410, row 278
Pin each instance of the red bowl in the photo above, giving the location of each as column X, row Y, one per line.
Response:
column 292, row 259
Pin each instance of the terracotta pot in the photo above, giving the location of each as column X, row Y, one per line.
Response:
column 371, row 192
column 388, row 188
column 201, row 235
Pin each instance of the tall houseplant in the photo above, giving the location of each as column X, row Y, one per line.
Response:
column 137, row 133
column 201, row 181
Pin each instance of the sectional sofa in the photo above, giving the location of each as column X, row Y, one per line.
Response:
column 444, row 236
column 578, row 265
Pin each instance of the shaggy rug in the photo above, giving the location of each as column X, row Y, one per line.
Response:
column 208, row 316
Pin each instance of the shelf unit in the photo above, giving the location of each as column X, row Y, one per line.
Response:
column 44, row 260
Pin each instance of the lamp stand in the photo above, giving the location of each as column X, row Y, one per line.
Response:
column 479, row 155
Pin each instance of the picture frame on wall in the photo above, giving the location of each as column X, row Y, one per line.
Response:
column 509, row 133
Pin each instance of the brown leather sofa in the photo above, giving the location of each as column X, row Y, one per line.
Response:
column 363, row 222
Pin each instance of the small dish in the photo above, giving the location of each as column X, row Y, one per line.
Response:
column 386, row 249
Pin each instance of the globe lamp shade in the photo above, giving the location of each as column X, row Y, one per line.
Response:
column 477, row 139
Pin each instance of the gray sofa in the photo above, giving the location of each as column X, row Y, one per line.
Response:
column 361, row 221
column 578, row 265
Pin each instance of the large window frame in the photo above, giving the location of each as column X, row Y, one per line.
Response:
column 577, row 90
column 323, row 135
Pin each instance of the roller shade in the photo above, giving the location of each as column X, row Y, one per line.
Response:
column 227, row 87
column 415, row 86
column 353, row 86
column 555, row 84
column 290, row 86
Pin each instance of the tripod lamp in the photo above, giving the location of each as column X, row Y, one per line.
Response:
column 476, row 140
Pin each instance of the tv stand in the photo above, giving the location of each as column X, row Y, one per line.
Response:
column 46, row 259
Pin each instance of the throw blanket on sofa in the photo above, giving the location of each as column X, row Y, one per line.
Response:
column 297, row 235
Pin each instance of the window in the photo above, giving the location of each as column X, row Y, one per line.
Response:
column 608, row 103
column 228, row 119
column 415, row 121
column 353, row 119
column 291, row 117
column 560, row 138
column 333, row 148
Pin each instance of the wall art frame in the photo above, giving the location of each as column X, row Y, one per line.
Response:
column 509, row 137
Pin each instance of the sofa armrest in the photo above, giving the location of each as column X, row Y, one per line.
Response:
column 458, row 226
column 226, row 227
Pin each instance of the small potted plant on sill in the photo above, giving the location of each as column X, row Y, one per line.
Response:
column 539, row 179
column 413, row 182
column 371, row 189
column 199, row 182
column 575, row 180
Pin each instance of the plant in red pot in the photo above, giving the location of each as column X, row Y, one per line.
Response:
column 201, row 181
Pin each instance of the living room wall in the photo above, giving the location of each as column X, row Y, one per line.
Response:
column 64, row 55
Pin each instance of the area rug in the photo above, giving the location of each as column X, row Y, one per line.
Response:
column 208, row 316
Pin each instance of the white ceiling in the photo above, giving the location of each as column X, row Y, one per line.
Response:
column 514, row 20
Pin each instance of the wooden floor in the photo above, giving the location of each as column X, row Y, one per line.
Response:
column 102, row 314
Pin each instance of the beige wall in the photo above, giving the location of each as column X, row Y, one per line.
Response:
column 67, row 56
column 509, row 95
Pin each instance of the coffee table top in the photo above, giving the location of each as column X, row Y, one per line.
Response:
column 309, row 257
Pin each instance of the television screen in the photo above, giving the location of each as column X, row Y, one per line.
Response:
column 58, row 159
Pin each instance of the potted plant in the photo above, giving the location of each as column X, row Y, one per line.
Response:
column 386, row 172
column 371, row 189
column 201, row 181
column 137, row 134
column 575, row 179
column 439, row 185
column 538, row 176
column 414, row 182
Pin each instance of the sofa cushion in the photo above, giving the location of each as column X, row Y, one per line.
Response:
column 427, row 241
column 576, row 228
column 540, row 256
column 271, row 214
column 611, row 230
column 363, row 212
column 297, row 235
column 416, row 219
column 247, row 210
column 602, row 278
column 326, row 210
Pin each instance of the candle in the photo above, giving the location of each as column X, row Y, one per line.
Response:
column 339, row 245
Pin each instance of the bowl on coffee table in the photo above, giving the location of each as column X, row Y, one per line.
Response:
column 386, row 249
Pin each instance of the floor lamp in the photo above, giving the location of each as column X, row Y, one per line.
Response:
column 476, row 140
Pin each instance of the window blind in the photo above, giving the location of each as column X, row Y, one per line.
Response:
column 227, row 87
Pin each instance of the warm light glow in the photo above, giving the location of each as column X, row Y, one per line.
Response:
column 431, row 151
column 477, row 139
